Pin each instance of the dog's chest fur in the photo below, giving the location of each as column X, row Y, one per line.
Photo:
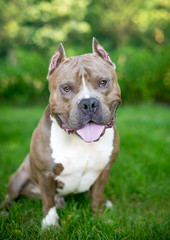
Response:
column 82, row 162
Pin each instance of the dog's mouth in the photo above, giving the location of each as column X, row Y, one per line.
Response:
column 91, row 131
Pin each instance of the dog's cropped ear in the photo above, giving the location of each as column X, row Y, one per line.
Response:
column 98, row 49
column 56, row 59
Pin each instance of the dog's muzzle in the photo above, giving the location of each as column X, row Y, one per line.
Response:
column 91, row 129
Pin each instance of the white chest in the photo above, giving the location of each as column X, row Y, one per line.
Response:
column 82, row 162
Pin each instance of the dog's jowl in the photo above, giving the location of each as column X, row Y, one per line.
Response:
column 76, row 141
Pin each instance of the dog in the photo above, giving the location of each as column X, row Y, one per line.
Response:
column 76, row 141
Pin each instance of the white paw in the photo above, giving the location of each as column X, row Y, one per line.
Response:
column 108, row 204
column 50, row 219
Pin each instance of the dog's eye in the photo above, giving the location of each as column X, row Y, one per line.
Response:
column 103, row 83
column 67, row 89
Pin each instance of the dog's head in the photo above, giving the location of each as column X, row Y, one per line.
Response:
column 84, row 92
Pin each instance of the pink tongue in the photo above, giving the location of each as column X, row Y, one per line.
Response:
column 90, row 132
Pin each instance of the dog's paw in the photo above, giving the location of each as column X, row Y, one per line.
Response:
column 7, row 202
column 59, row 202
column 51, row 219
column 108, row 204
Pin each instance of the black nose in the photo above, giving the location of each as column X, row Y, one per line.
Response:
column 89, row 106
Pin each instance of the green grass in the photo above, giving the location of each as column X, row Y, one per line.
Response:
column 138, row 185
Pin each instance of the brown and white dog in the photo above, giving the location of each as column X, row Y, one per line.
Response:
column 76, row 142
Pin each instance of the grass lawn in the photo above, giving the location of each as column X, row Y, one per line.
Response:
column 138, row 185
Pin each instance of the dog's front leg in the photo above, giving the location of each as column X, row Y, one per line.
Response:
column 48, row 188
column 97, row 190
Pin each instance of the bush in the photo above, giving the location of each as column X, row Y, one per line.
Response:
column 23, row 77
column 143, row 74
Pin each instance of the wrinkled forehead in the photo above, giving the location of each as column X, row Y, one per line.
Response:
column 86, row 67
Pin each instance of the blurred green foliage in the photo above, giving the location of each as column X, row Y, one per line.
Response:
column 134, row 32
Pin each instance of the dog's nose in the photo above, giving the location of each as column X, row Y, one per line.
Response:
column 89, row 106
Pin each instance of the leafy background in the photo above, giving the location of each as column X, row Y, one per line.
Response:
column 134, row 32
